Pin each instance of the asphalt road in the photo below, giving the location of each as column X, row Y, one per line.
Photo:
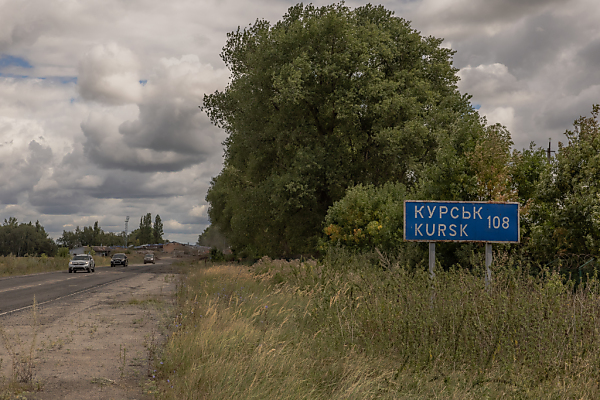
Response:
column 17, row 293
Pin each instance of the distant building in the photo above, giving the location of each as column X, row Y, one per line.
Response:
column 172, row 247
column 103, row 251
column 79, row 250
column 179, row 249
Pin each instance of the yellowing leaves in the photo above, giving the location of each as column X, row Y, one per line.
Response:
column 491, row 160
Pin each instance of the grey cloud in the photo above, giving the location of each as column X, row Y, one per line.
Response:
column 590, row 53
column 524, row 47
column 460, row 20
column 194, row 220
column 22, row 170
column 170, row 132
column 25, row 22
column 559, row 114
column 488, row 82
column 584, row 68
column 172, row 125
column 61, row 202
column 131, row 186
column 115, row 154
column 485, row 12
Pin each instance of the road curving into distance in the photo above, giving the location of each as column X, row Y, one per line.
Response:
column 17, row 293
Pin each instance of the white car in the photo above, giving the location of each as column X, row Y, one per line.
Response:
column 83, row 262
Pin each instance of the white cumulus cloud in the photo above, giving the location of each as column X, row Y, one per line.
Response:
column 110, row 74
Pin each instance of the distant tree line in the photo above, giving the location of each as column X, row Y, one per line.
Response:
column 90, row 236
column 25, row 239
column 95, row 235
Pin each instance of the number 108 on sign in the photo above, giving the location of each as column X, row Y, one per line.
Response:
column 496, row 222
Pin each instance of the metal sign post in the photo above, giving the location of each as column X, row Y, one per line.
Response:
column 461, row 221
column 488, row 263
column 432, row 260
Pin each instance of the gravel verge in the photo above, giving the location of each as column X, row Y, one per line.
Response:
column 95, row 345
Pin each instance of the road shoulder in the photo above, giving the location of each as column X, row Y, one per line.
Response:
column 94, row 345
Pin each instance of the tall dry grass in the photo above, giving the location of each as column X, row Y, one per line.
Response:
column 353, row 328
column 11, row 265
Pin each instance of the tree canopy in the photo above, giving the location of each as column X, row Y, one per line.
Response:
column 95, row 235
column 566, row 209
column 323, row 100
column 90, row 236
column 25, row 239
column 147, row 233
column 157, row 230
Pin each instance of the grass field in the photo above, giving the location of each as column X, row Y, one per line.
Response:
column 352, row 328
column 13, row 266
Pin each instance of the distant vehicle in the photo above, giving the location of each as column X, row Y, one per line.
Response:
column 83, row 262
column 149, row 258
column 119, row 259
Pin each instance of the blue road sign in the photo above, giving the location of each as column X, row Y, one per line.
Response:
column 459, row 221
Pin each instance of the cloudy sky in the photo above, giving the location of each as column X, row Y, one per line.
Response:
column 99, row 115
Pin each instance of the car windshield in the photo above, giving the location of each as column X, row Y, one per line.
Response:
column 119, row 256
column 149, row 255
column 81, row 257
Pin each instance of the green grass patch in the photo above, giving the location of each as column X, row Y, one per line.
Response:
column 352, row 328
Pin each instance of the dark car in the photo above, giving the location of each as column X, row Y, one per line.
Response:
column 119, row 259
column 149, row 258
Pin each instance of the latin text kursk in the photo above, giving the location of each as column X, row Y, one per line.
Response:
column 451, row 230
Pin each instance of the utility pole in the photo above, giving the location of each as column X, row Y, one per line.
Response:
column 126, row 226
column 550, row 151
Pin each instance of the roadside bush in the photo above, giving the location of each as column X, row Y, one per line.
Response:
column 63, row 252
column 216, row 255
column 368, row 217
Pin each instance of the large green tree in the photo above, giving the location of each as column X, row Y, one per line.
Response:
column 25, row 239
column 325, row 99
column 146, row 234
column 566, row 212
column 157, row 230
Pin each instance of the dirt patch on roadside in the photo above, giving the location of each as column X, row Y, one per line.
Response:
column 95, row 345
